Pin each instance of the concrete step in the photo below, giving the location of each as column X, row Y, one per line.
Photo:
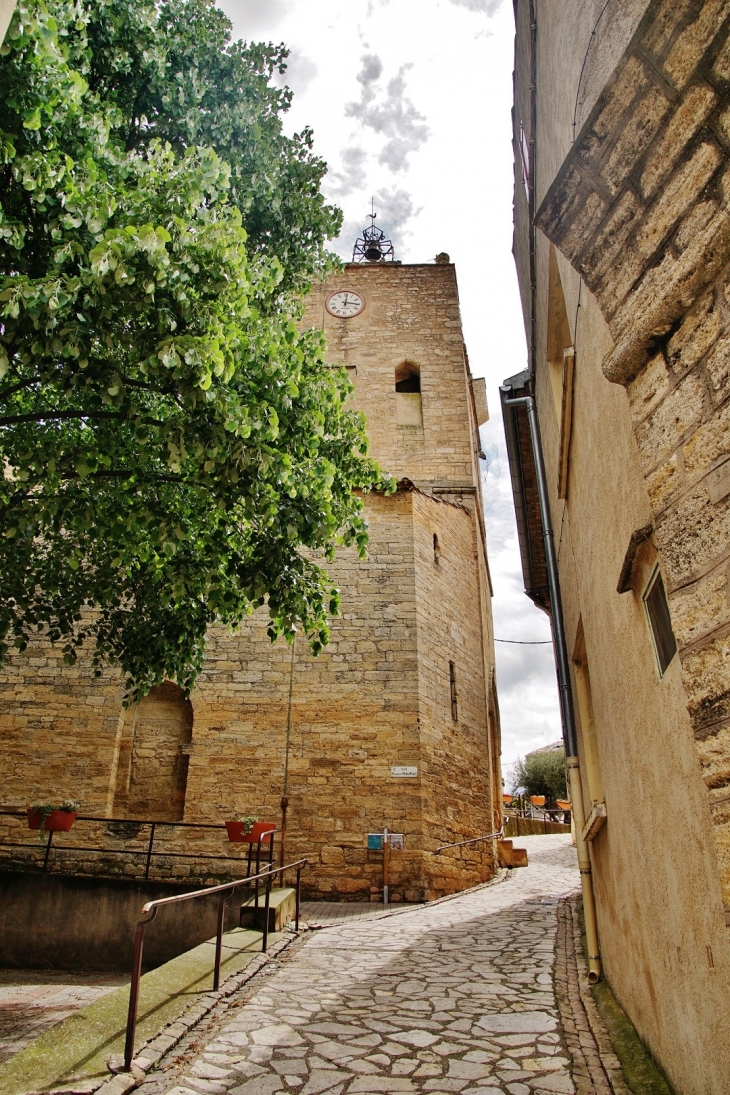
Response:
column 282, row 909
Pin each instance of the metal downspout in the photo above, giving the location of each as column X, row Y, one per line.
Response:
column 567, row 714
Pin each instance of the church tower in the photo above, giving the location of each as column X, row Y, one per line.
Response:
column 396, row 723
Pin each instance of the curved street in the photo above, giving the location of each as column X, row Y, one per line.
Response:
column 457, row 996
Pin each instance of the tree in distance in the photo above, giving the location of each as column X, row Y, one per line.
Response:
column 176, row 452
column 541, row 774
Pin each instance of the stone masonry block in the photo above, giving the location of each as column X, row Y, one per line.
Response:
column 699, row 330
column 689, row 47
column 635, row 137
column 721, row 67
column 708, row 444
column 668, row 19
column 609, row 245
column 701, row 608
column 648, row 388
column 679, row 412
column 694, row 536
column 665, row 484
column 718, row 370
column 667, row 150
column 681, row 192
column 631, row 81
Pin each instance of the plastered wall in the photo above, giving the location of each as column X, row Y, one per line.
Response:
column 636, row 228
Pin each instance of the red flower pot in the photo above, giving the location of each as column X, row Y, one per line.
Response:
column 60, row 821
column 236, row 833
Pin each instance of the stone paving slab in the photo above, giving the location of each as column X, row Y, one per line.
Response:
column 32, row 1001
column 323, row 914
column 457, row 996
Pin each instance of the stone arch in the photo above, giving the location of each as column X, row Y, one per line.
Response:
column 158, row 771
column 408, row 377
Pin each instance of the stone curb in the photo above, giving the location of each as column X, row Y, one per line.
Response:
column 501, row 876
column 595, row 1068
column 154, row 1049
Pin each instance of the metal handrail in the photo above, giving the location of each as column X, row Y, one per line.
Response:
column 266, row 838
column 225, row 890
column 474, row 840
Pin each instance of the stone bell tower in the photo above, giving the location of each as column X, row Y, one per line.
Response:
column 396, row 724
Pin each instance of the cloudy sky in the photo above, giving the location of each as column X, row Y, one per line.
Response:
column 410, row 103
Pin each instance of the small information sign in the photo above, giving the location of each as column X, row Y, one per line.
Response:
column 403, row 771
column 375, row 841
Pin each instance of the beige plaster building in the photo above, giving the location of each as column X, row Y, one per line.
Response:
column 395, row 725
column 622, row 243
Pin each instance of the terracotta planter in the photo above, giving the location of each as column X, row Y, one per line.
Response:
column 58, row 821
column 537, row 800
column 237, row 835
column 506, row 799
column 563, row 805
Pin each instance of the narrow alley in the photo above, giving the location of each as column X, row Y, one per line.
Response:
column 455, row 996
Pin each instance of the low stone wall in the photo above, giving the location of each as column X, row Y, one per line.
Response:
column 88, row 923
column 531, row 826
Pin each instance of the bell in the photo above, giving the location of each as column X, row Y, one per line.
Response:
column 373, row 252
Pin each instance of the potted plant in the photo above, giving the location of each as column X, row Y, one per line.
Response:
column 52, row 817
column 247, row 830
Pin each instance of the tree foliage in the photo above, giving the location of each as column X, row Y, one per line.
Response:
column 170, row 439
column 542, row 774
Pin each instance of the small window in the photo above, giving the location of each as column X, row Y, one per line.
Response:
column 660, row 623
column 452, row 685
column 436, row 549
column 408, row 377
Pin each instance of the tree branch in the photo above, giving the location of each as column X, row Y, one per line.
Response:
column 55, row 416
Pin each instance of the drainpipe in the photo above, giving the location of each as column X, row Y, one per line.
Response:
column 567, row 716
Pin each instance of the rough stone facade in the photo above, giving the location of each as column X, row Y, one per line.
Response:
column 625, row 266
column 415, row 621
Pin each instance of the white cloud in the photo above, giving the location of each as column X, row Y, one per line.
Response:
column 300, row 71
column 352, row 175
column 488, row 7
column 253, row 16
column 390, row 113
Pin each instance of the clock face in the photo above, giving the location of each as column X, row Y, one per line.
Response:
column 344, row 304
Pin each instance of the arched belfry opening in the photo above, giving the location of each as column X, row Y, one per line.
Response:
column 158, row 769
column 408, row 406
column 408, row 377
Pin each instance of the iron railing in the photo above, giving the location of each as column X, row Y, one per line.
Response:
column 150, row 909
column 265, row 840
column 473, row 840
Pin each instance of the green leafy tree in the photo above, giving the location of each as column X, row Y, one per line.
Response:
column 541, row 774
column 171, row 441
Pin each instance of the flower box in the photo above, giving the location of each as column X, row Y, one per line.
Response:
column 57, row 821
column 236, row 832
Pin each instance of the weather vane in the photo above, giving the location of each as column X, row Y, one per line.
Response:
column 372, row 246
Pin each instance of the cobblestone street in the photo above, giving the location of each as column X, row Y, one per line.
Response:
column 456, row 996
